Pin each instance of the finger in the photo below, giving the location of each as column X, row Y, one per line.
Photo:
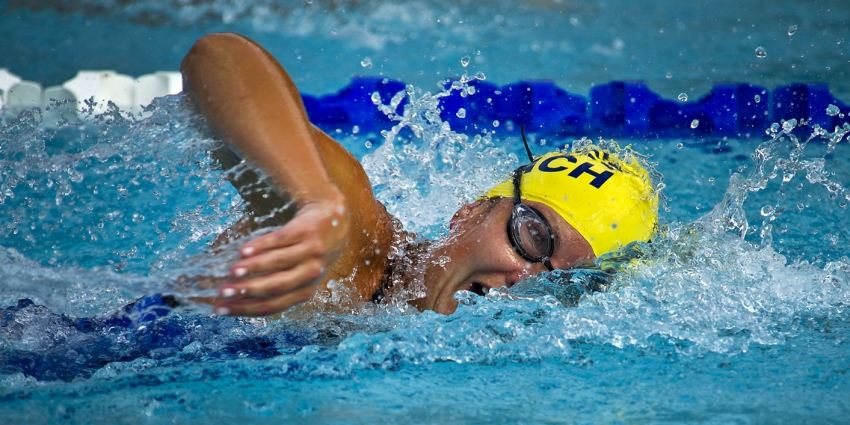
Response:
column 264, row 306
column 280, row 238
column 276, row 259
column 276, row 283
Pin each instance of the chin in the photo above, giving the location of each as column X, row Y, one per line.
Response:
column 450, row 309
column 446, row 308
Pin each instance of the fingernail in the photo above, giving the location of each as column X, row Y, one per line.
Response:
column 241, row 271
column 222, row 311
column 248, row 250
column 228, row 292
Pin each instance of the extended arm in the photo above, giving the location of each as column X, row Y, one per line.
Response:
column 252, row 103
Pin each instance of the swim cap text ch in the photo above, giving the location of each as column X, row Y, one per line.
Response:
column 609, row 201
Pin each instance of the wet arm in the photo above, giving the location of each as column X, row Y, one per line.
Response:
column 252, row 103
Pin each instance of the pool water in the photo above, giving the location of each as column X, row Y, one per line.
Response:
column 737, row 315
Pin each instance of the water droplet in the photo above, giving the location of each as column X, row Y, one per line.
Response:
column 832, row 110
column 757, row 98
column 461, row 113
column 669, row 75
column 495, row 123
column 366, row 62
column 792, row 29
column 839, row 41
column 465, row 61
column 679, row 146
column 760, row 52
column 480, row 76
column 376, row 98
column 694, row 123
column 711, row 180
column 355, row 129
column 368, row 144
column 789, row 125
column 683, row 97
column 766, row 210
column 409, row 89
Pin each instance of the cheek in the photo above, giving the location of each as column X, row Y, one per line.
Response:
column 493, row 248
column 483, row 240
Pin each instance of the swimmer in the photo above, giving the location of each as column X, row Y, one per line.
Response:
column 561, row 211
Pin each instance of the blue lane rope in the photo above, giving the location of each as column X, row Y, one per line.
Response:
column 617, row 109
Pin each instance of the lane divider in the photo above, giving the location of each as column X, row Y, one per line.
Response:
column 616, row 109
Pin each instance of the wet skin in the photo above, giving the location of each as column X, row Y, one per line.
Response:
column 483, row 258
column 339, row 230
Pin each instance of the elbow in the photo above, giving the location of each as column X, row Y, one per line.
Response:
column 209, row 47
column 211, row 53
column 201, row 54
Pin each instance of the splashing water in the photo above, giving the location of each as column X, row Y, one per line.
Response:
column 110, row 193
column 719, row 285
column 436, row 170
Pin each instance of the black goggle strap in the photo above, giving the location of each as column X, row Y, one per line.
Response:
column 525, row 142
column 521, row 170
column 517, row 182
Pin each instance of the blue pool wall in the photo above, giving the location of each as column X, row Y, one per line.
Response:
column 616, row 109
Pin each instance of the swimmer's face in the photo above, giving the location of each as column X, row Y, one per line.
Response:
column 482, row 256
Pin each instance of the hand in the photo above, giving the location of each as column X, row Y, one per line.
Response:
column 282, row 268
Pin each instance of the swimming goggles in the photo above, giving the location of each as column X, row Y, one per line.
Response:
column 528, row 231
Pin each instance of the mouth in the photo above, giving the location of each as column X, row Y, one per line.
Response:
column 478, row 288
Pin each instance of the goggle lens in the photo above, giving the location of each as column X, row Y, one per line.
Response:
column 530, row 233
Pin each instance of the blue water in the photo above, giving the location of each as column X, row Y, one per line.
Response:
column 722, row 323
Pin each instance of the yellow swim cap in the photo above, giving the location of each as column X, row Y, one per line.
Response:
column 610, row 200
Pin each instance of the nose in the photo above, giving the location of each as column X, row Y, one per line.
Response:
column 524, row 272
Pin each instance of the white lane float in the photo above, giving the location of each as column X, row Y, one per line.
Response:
column 103, row 86
column 21, row 96
column 7, row 80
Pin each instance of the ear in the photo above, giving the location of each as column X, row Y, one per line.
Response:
column 465, row 212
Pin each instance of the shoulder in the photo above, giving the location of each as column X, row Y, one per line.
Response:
column 373, row 230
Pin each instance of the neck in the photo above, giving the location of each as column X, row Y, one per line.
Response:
column 424, row 270
column 411, row 269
